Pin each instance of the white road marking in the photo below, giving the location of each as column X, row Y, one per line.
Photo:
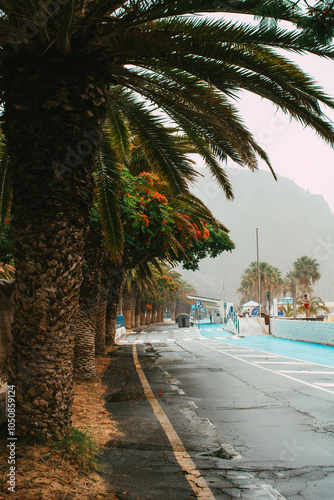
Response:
column 272, row 492
column 139, row 341
column 207, row 422
column 308, row 372
column 256, row 356
column 175, row 388
column 277, row 372
column 284, row 362
column 232, row 452
column 155, row 340
column 231, row 350
column 325, row 384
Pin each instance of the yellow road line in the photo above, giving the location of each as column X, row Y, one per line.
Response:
column 194, row 477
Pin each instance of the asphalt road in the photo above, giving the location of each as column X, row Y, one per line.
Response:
column 255, row 422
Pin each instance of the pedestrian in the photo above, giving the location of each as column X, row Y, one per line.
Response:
column 307, row 304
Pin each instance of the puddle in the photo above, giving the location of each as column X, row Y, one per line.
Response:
column 119, row 396
column 220, row 453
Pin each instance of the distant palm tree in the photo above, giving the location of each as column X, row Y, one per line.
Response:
column 306, row 272
column 270, row 280
column 287, row 283
column 65, row 67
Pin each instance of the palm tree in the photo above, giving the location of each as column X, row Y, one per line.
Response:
column 270, row 280
column 287, row 284
column 65, row 67
column 306, row 272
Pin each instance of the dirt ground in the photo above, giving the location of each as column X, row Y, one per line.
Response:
column 44, row 472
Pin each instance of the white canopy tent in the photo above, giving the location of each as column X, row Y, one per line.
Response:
column 251, row 303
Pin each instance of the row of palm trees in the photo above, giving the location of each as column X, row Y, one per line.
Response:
column 305, row 273
column 64, row 76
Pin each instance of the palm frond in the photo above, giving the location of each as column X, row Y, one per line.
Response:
column 222, row 129
column 155, row 9
column 107, row 180
column 119, row 133
column 160, row 150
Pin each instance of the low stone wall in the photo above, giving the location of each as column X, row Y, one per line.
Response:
column 316, row 332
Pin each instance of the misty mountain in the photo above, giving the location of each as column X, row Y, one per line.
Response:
column 292, row 222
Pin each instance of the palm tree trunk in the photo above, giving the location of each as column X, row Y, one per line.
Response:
column 128, row 300
column 148, row 317
column 114, row 295
column 84, row 350
column 154, row 314
column 51, row 162
column 137, row 310
column 100, row 325
column 133, row 312
column 173, row 309
column 142, row 313
column 160, row 313
column 90, row 290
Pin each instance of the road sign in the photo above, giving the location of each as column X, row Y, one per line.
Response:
column 193, row 307
column 198, row 303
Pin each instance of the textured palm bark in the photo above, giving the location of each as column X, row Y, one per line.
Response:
column 137, row 310
column 133, row 313
column 128, row 303
column 154, row 314
column 142, row 317
column 90, row 290
column 114, row 295
column 100, row 325
column 6, row 318
column 148, row 317
column 161, row 312
column 172, row 306
column 111, row 324
column 84, row 357
column 52, row 124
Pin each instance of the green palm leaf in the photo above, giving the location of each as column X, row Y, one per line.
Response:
column 107, row 180
column 162, row 154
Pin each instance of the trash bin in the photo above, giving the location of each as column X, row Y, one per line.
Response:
column 266, row 319
column 183, row 320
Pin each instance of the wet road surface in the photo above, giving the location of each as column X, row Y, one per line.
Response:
column 255, row 423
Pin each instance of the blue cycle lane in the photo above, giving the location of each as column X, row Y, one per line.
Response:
column 304, row 351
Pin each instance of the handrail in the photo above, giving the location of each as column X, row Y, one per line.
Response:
column 232, row 315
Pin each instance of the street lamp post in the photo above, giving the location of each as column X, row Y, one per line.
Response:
column 258, row 270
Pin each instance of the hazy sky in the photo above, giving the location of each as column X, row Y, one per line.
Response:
column 295, row 152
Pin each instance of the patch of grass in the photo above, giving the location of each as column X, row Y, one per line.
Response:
column 79, row 448
column 121, row 395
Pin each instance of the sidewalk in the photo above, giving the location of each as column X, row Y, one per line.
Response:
column 139, row 463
